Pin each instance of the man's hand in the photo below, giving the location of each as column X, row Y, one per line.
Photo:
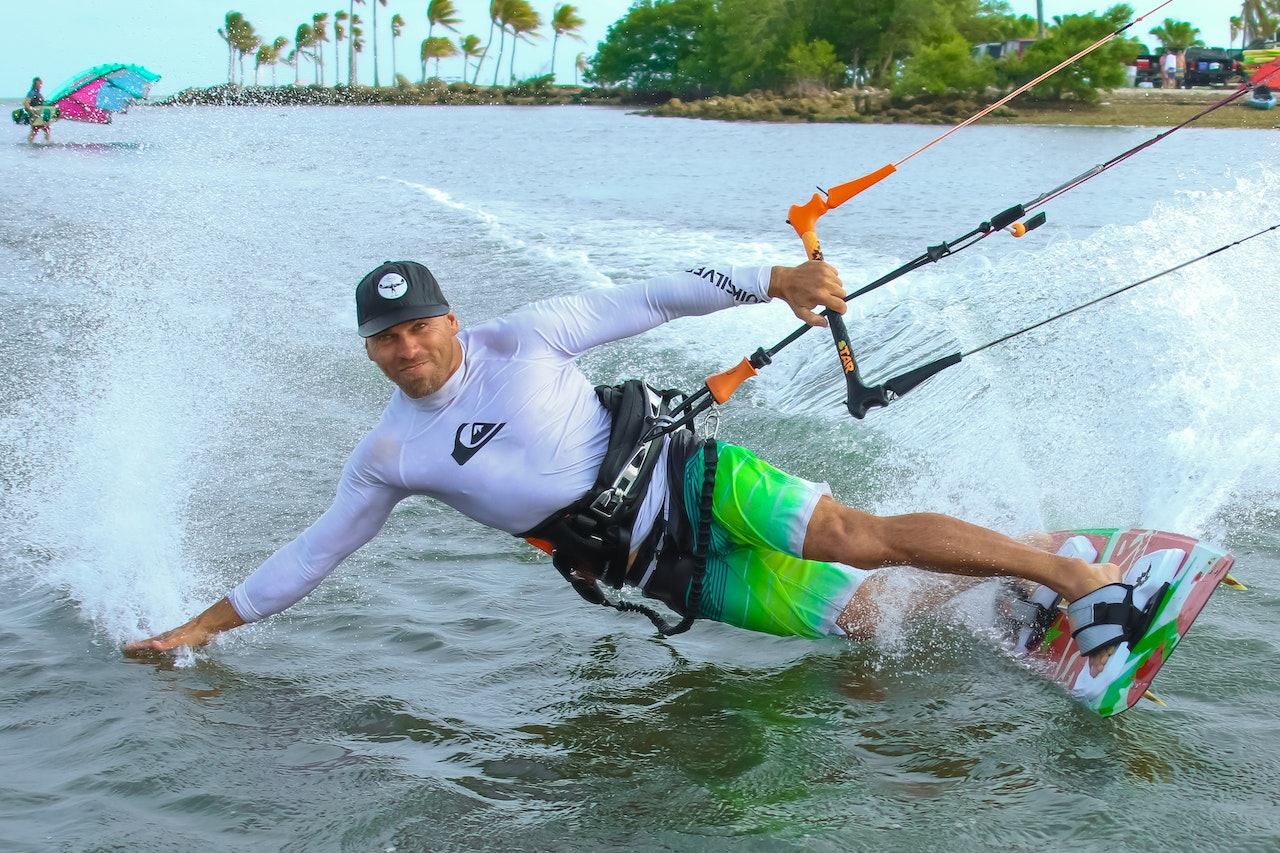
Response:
column 813, row 284
column 199, row 631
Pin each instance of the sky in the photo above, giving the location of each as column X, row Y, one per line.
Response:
column 178, row 39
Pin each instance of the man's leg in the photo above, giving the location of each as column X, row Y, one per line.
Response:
column 940, row 543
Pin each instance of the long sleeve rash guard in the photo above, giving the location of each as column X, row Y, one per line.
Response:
column 514, row 435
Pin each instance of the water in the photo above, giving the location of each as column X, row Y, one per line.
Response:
column 183, row 382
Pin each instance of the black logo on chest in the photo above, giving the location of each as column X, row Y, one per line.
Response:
column 471, row 437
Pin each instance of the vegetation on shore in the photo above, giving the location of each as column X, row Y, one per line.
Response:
column 1122, row 107
column 404, row 93
column 713, row 48
column 1134, row 107
column 883, row 61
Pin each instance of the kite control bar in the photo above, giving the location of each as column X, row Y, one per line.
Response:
column 861, row 397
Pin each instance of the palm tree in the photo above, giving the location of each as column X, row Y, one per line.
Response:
column 234, row 25
column 352, row 76
column 469, row 47
column 305, row 38
column 579, row 67
column 397, row 27
column 241, row 40
column 495, row 10
column 1259, row 20
column 1237, row 27
column 523, row 20
column 320, row 29
column 500, row 12
column 1177, row 35
column 245, row 45
column 436, row 48
column 442, row 12
column 262, row 58
column 564, row 21
column 277, row 48
column 375, row 40
column 355, row 44
column 339, row 33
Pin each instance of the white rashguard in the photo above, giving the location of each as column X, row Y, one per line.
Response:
column 514, row 435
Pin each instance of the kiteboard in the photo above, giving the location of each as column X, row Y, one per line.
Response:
column 1149, row 559
column 48, row 115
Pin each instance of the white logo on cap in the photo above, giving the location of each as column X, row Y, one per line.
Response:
column 392, row 286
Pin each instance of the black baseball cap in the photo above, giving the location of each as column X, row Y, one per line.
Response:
column 395, row 292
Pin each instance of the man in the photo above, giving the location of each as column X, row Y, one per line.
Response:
column 1169, row 67
column 32, row 104
column 498, row 422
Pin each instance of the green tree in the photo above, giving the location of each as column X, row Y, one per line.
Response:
column 437, row 48
column 269, row 54
column 995, row 22
column 500, row 13
column 495, row 11
column 233, row 32
column 320, row 29
column 303, row 39
column 1104, row 68
column 444, row 13
column 580, row 66
column 397, row 27
column 353, row 76
column 355, row 45
column 340, row 18
column 650, row 47
column 524, row 22
column 1177, row 35
column 375, row 39
column 565, row 21
column 947, row 66
column 1260, row 20
column 469, row 47
column 743, row 45
column 915, row 24
column 241, row 41
column 814, row 63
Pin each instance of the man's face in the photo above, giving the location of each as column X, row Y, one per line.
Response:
column 418, row 355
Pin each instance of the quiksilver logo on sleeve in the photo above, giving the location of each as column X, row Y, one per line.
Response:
column 471, row 437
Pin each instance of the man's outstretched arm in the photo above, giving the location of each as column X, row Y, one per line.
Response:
column 200, row 630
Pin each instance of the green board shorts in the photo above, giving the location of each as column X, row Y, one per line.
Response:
column 755, row 577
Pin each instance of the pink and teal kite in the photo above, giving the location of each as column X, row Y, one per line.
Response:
column 95, row 94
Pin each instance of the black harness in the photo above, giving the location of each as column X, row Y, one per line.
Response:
column 590, row 540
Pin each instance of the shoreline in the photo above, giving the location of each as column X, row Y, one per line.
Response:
column 1128, row 107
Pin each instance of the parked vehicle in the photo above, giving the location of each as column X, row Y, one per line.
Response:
column 1212, row 66
column 1148, row 70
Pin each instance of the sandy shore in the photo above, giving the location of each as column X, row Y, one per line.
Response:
column 1152, row 108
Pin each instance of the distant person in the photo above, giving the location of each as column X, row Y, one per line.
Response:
column 1179, row 68
column 1262, row 98
column 1169, row 70
column 32, row 104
